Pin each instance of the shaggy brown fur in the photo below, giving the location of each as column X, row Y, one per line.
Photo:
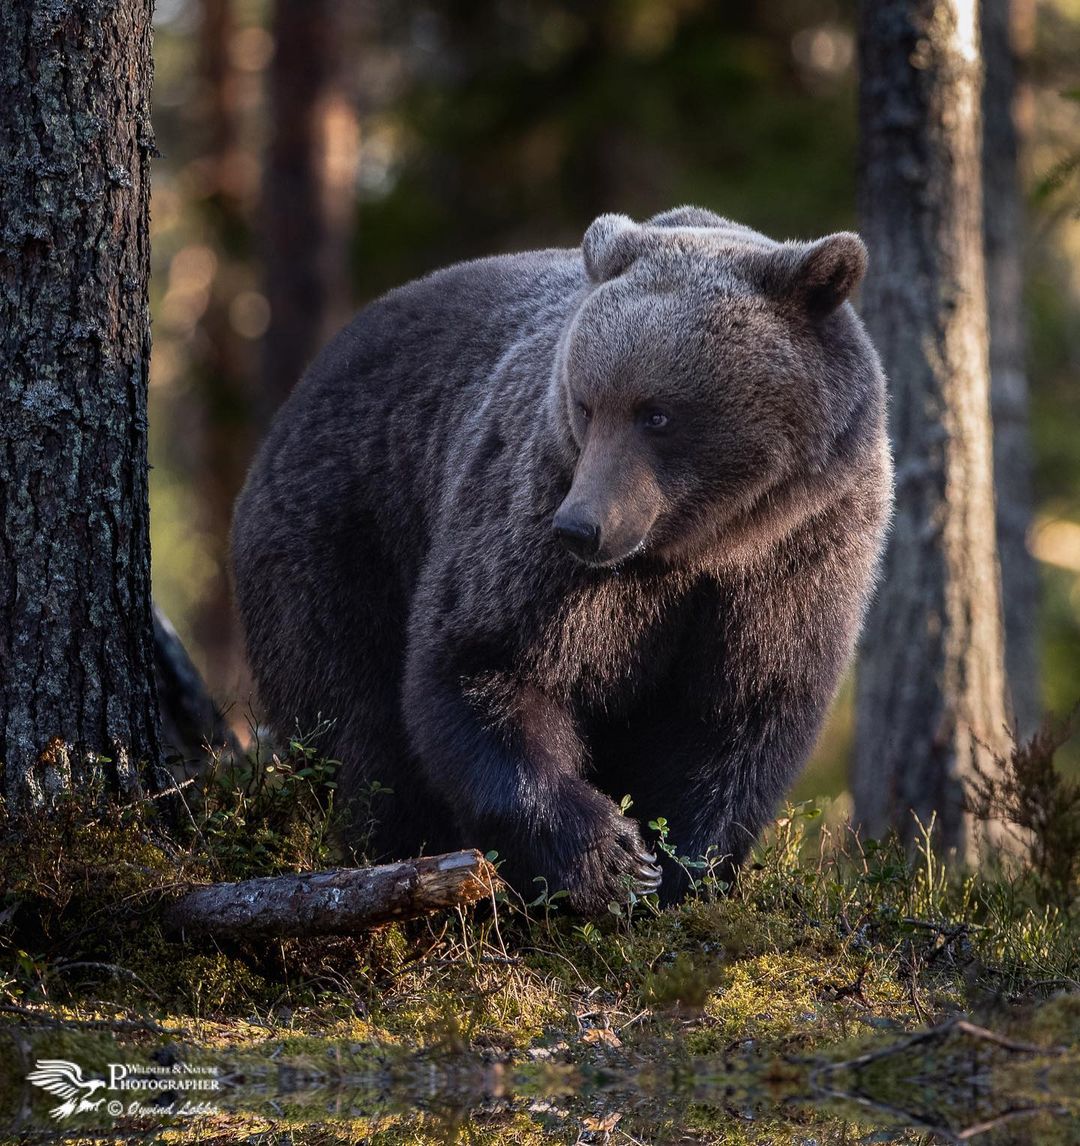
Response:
column 539, row 531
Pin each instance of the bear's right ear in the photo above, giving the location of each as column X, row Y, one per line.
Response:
column 609, row 246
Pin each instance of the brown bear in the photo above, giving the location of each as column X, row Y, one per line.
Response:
column 543, row 530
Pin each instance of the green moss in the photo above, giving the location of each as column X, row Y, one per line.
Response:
column 1055, row 1022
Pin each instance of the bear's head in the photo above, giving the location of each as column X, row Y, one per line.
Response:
column 706, row 370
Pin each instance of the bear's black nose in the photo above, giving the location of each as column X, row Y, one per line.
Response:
column 580, row 537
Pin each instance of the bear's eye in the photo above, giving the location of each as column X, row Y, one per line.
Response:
column 584, row 410
column 654, row 419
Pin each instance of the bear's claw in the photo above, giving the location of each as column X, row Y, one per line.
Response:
column 651, row 876
column 614, row 862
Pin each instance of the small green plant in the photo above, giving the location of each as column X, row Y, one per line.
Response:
column 260, row 817
column 589, row 934
column 364, row 818
column 546, row 899
column 691, row 867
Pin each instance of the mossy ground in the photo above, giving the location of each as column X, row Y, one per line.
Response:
column 524, row 1024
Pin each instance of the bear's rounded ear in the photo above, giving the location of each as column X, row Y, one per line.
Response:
column 609, row 247
column 828, row 271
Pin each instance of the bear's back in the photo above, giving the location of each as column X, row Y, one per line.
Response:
column 367, row 433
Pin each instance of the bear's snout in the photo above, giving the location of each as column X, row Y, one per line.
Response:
column 614, row 499
column 577, row 533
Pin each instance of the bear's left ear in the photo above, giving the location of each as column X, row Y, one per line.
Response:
column 828, row 271
column 609, row 246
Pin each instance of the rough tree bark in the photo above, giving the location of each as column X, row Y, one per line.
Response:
column 931, row 678
column 1004, row 227
column 76, row 645
column 307, row 191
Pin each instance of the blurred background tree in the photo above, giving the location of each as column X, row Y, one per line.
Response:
column 443, row 130
column 930, row 700
column 1006, row 28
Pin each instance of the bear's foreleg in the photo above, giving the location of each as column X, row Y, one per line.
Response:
column 713, row 771
column 734, row 773
column 721, row 741
column 508, row 761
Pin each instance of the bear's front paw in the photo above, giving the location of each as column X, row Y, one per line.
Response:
column 587, row 848
column 613, row 863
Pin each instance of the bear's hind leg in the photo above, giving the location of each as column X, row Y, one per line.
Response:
column 325, row 621
column 390, row 812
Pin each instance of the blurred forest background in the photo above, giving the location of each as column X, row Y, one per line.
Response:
column 315, row 154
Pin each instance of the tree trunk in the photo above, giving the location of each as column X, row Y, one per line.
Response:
column 308, row 193
column 931, row 679
column 76, row 643
column 224, row 360
column 1004, row 226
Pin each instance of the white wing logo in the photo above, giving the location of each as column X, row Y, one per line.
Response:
column 65, row 1080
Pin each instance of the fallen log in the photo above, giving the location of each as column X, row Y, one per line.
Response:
column 343, row 901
